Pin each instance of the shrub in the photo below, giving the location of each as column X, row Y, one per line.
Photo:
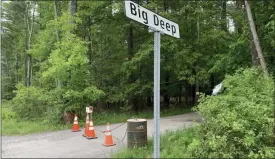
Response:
column 174, row 144
column 7, row 114
column 239, row 122
column 6, row 110
column 30, row 102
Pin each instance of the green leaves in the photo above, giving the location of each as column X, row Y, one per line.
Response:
column 30, row 102
column 239, row 121
column 92, row 93
column 68, row 59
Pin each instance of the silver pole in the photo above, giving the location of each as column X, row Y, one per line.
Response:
column 156, row 94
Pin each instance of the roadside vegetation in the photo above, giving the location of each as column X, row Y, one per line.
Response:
column 174, row 144
column 13, row 125
column 238, row 123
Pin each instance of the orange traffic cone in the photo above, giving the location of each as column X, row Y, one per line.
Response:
column 75, row 126
column 91, row 131
column 86, row 125
column 108, row 137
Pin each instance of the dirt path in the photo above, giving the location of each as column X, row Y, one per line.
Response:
column 67, row 144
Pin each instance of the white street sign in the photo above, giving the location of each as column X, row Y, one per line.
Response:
column 151, row 19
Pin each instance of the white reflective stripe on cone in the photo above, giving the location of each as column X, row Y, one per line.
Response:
column 108, row 127
column 91, row 128
column 75, row 118
column 75, row 122
column 107, row 133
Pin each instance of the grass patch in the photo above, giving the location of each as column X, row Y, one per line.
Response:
column 174, row 144
column 12, row 126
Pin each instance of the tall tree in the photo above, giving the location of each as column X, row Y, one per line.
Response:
column 255, row 38
column 30, row 26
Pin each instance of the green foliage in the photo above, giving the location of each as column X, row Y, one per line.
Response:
column 79, row 100
column 6, row 86
column 174, row 144
column 30, row 102
column 239, row 122
column 7, row 114
column 64, row 100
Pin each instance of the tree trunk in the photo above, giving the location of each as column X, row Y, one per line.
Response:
column 197, row 89
column 194, row 94
column 223, row 16
column 73, row 5
column 255, row 38
column 132, row 100
column 7, row 65
column 29, row 70
column 72, row 9
column 29, row 58
column 189, row 94
column 238, row 25
column 254, row 55
column 186, row 91
column 40, row 72
column 218, row 15
column 55, row 17
column 130, row 43
column 180, row 93
column 25, row 53
column 165, row 5
column 196, row 67
column 90, row 52
column 56, row 14
column 166, row 98
column 149, row 101
column 16, row 70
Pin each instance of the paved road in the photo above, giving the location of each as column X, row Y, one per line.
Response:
column 67, row 144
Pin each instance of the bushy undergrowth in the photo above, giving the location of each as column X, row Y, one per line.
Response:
column 174, row 144
column 31, row 103
column 239, row 122
column 6, row 113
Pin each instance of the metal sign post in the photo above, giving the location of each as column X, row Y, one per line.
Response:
column 156, row 93
column 158, row 25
